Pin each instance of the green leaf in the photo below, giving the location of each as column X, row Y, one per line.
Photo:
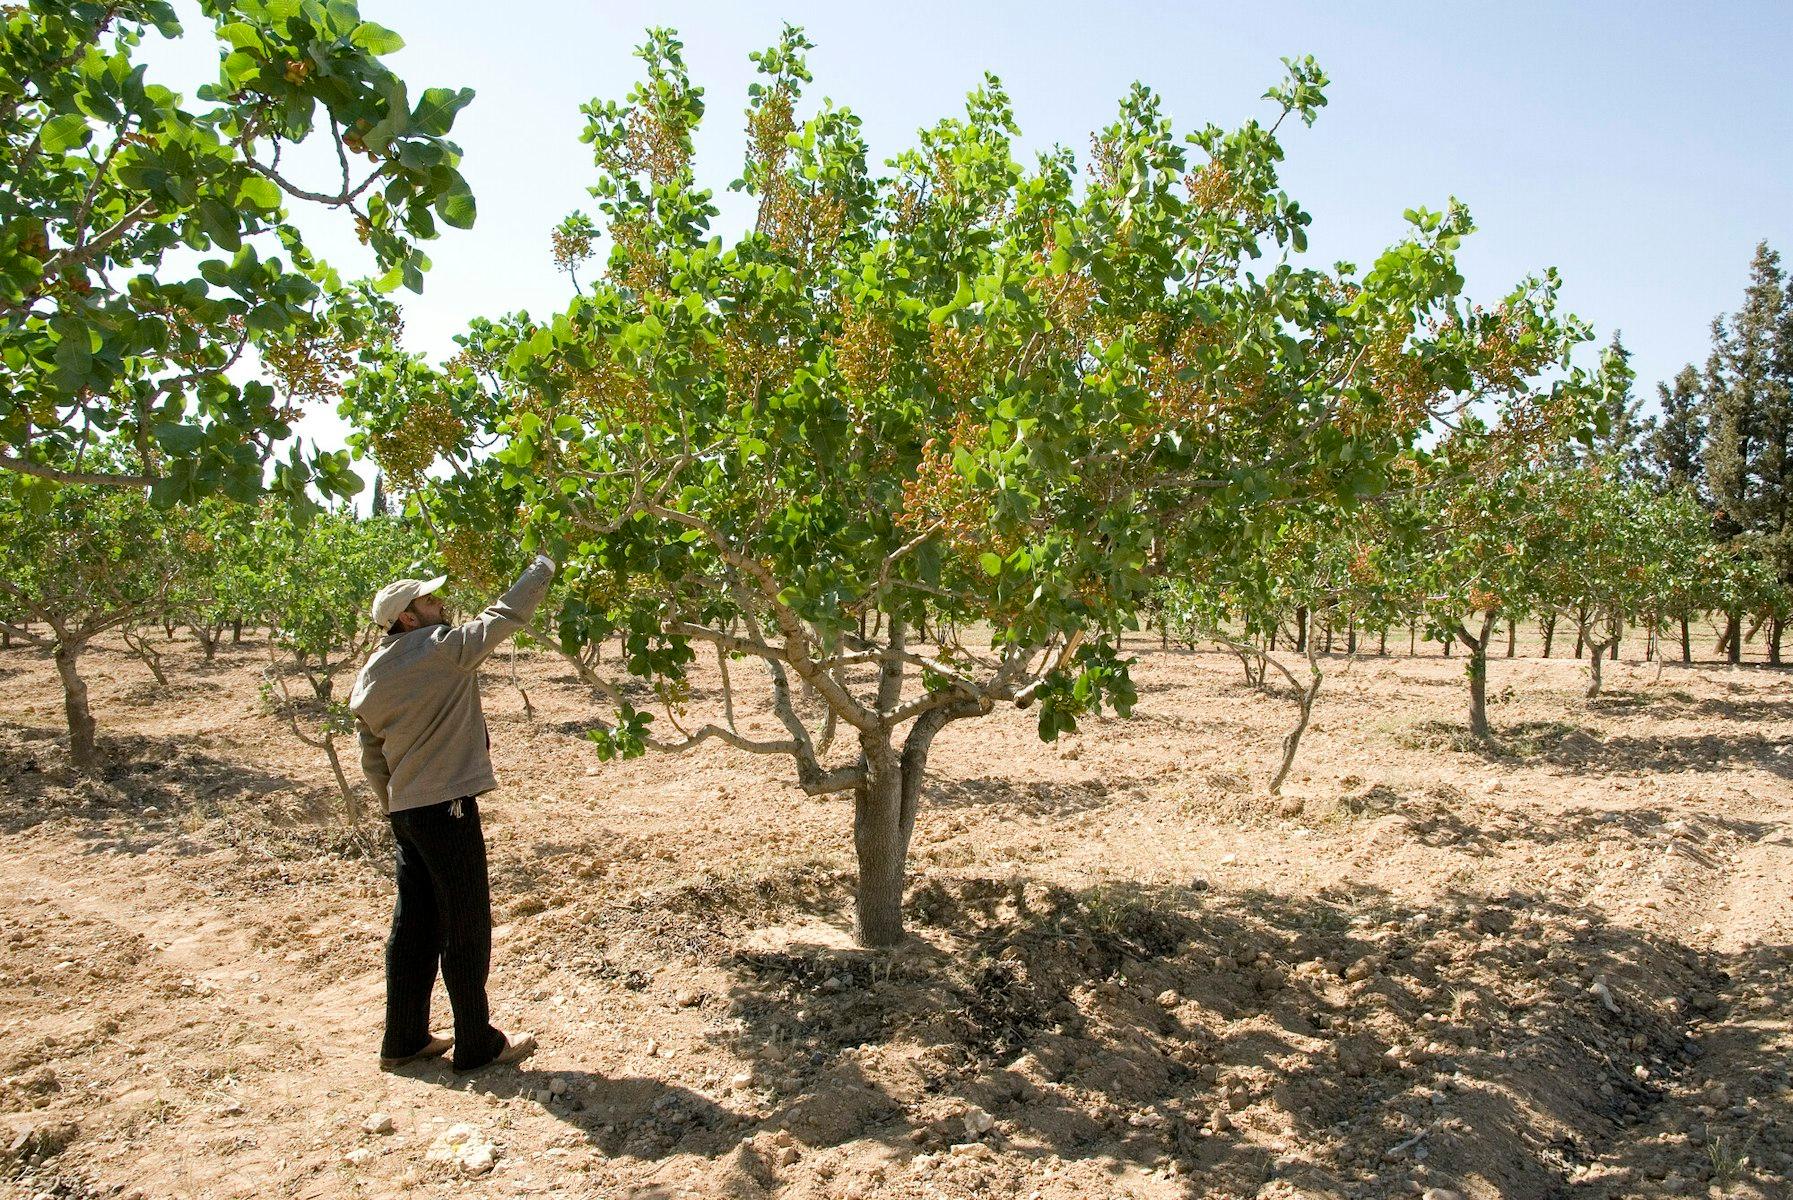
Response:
column 436, row 110
column 65, row 132
column 221, row 223
column 259, row 192
column 179, row 439
column 376, row 39
column 456, row 205
column 991, row 563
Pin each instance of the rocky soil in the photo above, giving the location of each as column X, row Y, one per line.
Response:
column 1555, row 964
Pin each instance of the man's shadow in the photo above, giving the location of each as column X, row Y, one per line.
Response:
column 623, row 1116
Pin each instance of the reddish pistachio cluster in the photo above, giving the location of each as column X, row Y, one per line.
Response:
column 430, row 429
column 637, row 263
column 312, row 368
column 864, row 350
column 569, row 248
column 756, row 361
column 602, row 395
column 654, row 142
column 768, row 126
column 941, row 496
column 956, row 363
column 801, row 222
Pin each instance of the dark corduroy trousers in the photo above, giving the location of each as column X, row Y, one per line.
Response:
column 443, row 918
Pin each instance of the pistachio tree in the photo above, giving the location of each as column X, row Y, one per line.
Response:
column 78, row 561
column 1607, row 549
column 908, row 441
column 1313, row 565
column 317, row 578
column 147, row 247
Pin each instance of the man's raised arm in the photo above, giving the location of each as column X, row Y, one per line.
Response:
column 472, row 643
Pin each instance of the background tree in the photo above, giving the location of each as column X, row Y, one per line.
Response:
column 1619, row 433
column 1461, row 543
column 1317, row 565
column 1675, row 439
column 79, row 560
column 107, row 178
column 318, row 578
column 1748, row 392
column 218, row 583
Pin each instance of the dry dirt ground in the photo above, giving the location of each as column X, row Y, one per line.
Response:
column 1552, row 965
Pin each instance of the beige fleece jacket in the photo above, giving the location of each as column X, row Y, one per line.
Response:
column 416, row 702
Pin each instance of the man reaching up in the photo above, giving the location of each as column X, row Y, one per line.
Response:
column 426, row 753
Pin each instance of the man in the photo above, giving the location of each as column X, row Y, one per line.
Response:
column 426, row 753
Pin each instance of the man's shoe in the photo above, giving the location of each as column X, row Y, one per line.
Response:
column 436, row 1047
column 516, row 1049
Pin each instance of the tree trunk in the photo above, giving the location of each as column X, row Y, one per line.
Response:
column 351, row 803
column 1512, row 635
column 1300, row 630
column 74, row 703
column 150, row 657
column 1476, row 670
column 1581, row 631
column 1329, row 633
column 1291, row 742
column 1775, row 628
column 1549, row 627
column 236, row 632
column 1686, row 642
column 1412, row 636
column 881, row 840
column 1382, row 646
column 1448, row 639
column 1594, row 661
column 1351, row 635
column 168, row 627
column 1618, row 632
column 1733, row 639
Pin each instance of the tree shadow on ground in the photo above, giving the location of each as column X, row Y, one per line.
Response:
column 1342, row 1042
column 1447, row 818
column 1559, row 744
column 137, row 774
column 1028, row 797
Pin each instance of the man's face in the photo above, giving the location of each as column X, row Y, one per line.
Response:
column 424, row 611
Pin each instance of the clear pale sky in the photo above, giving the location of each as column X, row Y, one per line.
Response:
column 1641, row 147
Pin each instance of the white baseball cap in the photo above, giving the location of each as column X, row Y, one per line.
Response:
column 395, row 598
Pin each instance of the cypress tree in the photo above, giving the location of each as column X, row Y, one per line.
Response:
column 1675, row 441
column 1747, row 421
column 1621, row 442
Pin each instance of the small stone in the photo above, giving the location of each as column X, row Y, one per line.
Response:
column 557, row 1086
column 743, row 1079
column 479, row 1160
column 689, row 998
column 377, row 1123
column 1167, row 998
column 978, row 1122
column 357, row 1156
column 788, row 1155
column 1440, row 1194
